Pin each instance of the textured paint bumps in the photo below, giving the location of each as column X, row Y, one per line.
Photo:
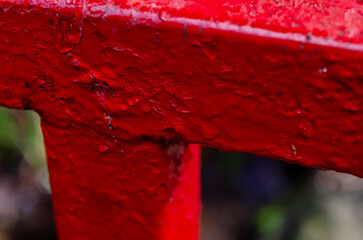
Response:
column 123, row 87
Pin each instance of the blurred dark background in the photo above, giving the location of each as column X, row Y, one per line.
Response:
column 244, row 197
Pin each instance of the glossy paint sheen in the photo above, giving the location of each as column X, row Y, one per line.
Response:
column 123, row 87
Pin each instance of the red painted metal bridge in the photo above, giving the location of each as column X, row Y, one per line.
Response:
column 127, row 90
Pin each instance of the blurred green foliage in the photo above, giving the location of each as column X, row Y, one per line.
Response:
column 270, row 219
column 21, row 139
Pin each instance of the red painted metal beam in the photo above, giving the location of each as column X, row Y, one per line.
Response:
column 123, row 87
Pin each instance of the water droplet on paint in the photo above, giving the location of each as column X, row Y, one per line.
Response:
column 323, row 70
column 210, row 132
column 252, row 14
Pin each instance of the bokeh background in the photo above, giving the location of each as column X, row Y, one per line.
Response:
column 244, row 197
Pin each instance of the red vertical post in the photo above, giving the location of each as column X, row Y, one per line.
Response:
column 105, row 188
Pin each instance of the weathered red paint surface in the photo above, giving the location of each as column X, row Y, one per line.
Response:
column 122, row 87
